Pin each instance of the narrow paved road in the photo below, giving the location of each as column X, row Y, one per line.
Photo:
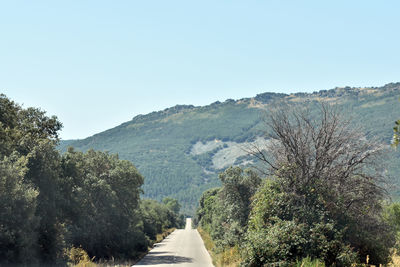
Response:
column 181, row 248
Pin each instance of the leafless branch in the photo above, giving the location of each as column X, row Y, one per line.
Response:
column 322, row 149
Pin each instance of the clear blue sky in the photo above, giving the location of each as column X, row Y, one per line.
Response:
column 96, row 64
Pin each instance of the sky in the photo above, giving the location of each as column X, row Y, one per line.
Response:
column 96, row 64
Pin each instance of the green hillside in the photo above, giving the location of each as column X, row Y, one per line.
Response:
column 181, row 150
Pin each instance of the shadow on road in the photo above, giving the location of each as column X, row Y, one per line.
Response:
column 181, row 248
column 164, row 259
column 157, row 252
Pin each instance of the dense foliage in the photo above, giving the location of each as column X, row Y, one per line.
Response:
column 160, row 143
column 224, row 211
column 51, row 202
column 323, row 198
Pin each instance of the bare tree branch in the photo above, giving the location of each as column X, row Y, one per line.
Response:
column 322, row 151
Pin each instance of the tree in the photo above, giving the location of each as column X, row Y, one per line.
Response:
column 44, row 173
column 18, row 221
column 22, row 129
column 172, row 204
column 325, row 173
column 51, row 202
column 104, row 218
column 224, row 211
column 205, row 211
column 159, row 217
column 238, row 187
column 30, row 164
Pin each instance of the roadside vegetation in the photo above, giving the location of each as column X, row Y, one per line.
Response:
column 322, row 200
column 56, row 207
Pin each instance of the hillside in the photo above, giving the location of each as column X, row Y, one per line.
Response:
column 181, row 150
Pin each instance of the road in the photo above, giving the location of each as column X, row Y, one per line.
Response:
column 182, row 247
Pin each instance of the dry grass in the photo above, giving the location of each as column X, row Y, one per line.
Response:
column 79, row 258
column 395, row 261
column 208, row 243
column 228, row 258
column 160, row 237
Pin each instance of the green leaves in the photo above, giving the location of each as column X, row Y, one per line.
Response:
column 172, row 204
column 18, row 201
column 29, row 184
column 224, row 212
column 49, row 202
column 158, row 217
column 322, row 200
column 105, row 197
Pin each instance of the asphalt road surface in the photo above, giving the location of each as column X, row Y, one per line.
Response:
column 181, row 248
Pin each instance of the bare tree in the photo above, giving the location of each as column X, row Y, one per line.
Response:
column 328, row 175
column 323, row 153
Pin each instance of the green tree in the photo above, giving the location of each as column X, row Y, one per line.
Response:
column 327, row 180
column 105, row 219
column 282, row 230
column 18, row 221
column 30, row 136
column 206, row 209
column 154, row 218
column 44, row 174
column 159, row 217
column 22, row 129
column 224, row 212
column 172, row 204
column 392, row 216
column 238, row 187
column 50, row 202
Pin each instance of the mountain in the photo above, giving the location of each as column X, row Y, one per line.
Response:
column 181, row 150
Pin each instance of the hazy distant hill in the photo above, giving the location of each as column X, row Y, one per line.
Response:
column 181, row 150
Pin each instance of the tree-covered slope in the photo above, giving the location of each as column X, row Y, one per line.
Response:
column 181, row 150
